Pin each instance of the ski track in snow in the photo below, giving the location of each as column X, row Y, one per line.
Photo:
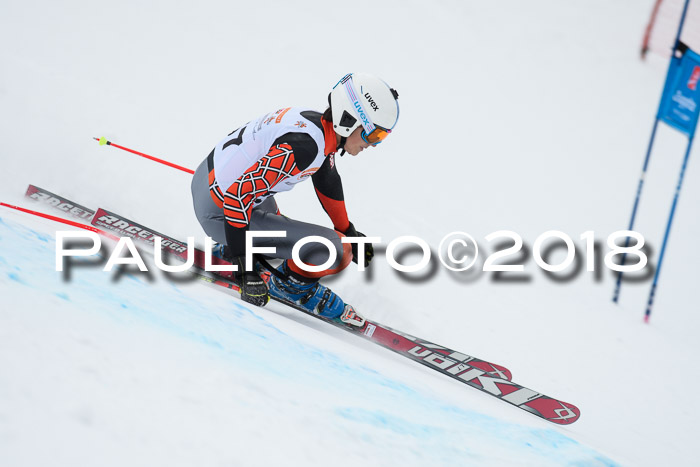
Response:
column 156, row 349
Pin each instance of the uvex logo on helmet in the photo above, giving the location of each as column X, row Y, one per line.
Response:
column 694, row 78
column 362, row 115
column 371, row 102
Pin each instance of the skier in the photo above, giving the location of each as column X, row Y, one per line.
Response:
column 233, row 190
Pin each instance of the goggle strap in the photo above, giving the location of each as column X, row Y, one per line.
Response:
column 357, row 104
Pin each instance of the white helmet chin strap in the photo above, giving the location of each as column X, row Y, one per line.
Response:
column 357, row 104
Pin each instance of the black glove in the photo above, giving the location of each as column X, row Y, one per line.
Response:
column 253, row 288
column 369, row 249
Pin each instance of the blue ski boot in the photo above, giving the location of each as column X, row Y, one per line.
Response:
column 312, row 296
column 218, row 251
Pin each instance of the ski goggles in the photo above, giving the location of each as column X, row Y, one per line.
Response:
column 376, row 136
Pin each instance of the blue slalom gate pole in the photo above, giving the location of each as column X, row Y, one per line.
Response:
column 640, row 185
column 650, row 302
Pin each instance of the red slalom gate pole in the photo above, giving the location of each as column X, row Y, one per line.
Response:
column 103, row 141
column 650, row 26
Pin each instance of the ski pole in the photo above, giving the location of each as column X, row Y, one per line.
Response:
column 62, row 221
column 103, row 141
column 200, row 275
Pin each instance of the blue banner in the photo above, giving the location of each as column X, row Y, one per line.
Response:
column 680, row 102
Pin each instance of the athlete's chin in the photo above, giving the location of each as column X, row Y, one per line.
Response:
column 354, row 151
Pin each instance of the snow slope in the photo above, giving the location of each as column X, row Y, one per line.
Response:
column 521, row 116
column 125, row 372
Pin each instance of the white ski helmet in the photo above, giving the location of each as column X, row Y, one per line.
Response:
column 362, row 99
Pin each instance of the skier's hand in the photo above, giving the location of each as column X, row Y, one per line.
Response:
column 253, row 288
column 369, row 249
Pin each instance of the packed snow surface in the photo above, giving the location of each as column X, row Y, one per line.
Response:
column 520, row 116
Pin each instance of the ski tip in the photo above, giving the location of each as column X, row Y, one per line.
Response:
column 553, row 410
column 566, row 414
column 506, row 373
